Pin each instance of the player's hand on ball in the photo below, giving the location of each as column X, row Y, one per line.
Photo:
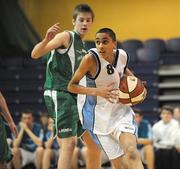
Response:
column 114, row 97
column 52, row 31
column 109, row 93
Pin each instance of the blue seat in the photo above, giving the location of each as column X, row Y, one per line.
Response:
column 148, row 55
column 33, row 63
column 148, row 105
column 141, row 68
column 173, row 44
column 119, row 45
column 13, row 62
column 21, row 85
column 24, row 97
column 157, row 44
column 170, row 58
column 131, row 46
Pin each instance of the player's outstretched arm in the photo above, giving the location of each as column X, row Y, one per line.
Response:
column 52, row 40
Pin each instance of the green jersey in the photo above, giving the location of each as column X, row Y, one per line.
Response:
column 62, row 63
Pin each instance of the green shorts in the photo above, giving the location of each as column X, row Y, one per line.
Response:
column 5, row 152
column 62, row 107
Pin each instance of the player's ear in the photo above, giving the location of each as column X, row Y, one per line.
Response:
column 73, row 21
column 115, row 44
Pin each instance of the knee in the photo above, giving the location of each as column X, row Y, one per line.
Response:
column 16, row 151
column 132, row 153
column 39, row 151
column 69, row 145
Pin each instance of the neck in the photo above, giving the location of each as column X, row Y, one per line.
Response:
column 109, row 58
column 81, row 36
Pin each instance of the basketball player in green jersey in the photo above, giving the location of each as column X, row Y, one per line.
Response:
column 66, row 51
column 5, row 152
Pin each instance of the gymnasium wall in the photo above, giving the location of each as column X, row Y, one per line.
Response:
column 140, row 19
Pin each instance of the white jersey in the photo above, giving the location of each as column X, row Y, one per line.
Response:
column 96, row 113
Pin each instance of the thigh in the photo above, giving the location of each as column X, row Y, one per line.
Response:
column 110, row 146
column 66, row 114
column 49, row 102
column 27, row 157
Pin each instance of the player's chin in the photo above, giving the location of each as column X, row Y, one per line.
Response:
column 83, row 31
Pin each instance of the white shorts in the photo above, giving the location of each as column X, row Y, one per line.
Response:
column 27, row 157
column 110, row 143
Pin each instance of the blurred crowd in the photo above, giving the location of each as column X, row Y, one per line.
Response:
column 35, row 146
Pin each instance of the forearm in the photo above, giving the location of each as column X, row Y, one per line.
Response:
column 144, row 141
column 78, row 89
column 39, row 50
column 34, row 138
column 17, row 141
column 49, row 143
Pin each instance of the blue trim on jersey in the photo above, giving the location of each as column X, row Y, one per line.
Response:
column 88, row 109
column 95, row 138
column 98, row 64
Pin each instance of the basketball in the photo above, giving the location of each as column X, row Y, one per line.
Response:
column 131, row 90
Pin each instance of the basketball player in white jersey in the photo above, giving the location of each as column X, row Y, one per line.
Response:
column 97, row 81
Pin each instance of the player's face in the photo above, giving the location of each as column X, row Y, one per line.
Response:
column 138, row 118
column 176, row 113
column 82, row 23
column 166, row 116
column 105, row 44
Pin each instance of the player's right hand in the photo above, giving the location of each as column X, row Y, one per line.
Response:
column 109, row 92
column 13, row 128
column 52, row 31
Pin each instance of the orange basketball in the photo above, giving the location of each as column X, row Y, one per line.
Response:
column 131, row 90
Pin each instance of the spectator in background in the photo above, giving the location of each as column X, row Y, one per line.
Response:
column 164, row 137
column 144, row 140
column 28, row 144
column 51, row 152
column 176, row 114
column 44, row 122
column 5, row 152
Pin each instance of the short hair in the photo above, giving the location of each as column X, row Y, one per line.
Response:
column 82, row 8
column 137, row 111
column 167, row 108
column 109, row 31
column 27, row 111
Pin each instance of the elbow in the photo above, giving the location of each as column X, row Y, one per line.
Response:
column 69, row 88
column 34, row 55
column 40, row 143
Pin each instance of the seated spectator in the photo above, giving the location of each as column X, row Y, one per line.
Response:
column 51, row 151
column 164, row 137
column 28, row 144
column 144, row 140
column 44, row 118
column 176, row 114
